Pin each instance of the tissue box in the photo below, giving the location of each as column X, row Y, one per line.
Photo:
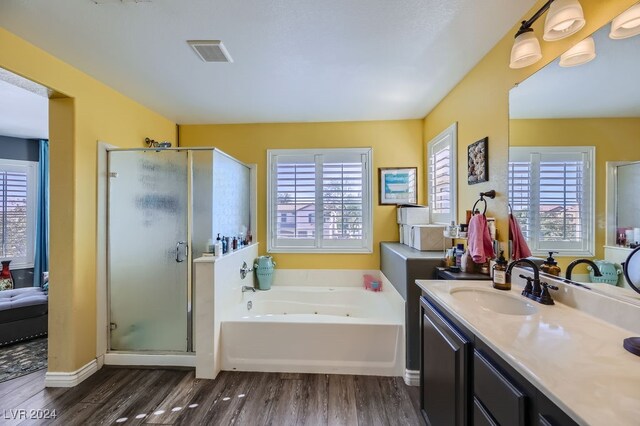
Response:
column 413, row 215
column 425, row 237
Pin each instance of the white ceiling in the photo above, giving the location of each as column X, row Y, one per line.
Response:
column 608, row 86
column 23, row 114
column 304, row 60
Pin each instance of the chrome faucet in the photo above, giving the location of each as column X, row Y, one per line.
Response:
column 248, row 288
column 596, row 270
column 536, row 290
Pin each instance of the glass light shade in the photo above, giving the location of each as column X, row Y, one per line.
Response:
column 564, row 18
column 525, row 51
column 579, row 54
column 627, row 24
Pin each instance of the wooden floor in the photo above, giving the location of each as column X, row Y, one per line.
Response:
column 137, row 396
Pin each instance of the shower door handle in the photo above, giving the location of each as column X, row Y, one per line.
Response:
column 186, row 251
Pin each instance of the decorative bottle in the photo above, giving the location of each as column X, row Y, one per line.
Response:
column 6, row 279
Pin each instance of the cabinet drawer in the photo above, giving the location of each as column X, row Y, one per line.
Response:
column 480, row 415
column 504, row 402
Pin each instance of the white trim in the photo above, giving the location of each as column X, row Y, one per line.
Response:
column 450, row 133
column 412, row 377
column 150, row 360
column 102, row 298
column 54, row 379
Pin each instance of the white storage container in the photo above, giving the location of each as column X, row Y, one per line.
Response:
column 418, row 215
column 427, row 237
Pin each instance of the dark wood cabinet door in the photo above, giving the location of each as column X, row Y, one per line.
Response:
column 444, row 378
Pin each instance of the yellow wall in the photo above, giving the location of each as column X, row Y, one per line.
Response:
column 615, row 139
column 82, row 112
column 394, row 143
column 480, row 104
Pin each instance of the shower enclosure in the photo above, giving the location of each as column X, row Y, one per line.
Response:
column 163, row 207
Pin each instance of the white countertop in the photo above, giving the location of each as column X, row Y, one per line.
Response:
column 575, row 359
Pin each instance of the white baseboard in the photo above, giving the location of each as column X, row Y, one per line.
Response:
column 150, row 360
column 54, row 379
column 412, row 377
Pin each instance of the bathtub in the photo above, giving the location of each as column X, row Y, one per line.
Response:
column 341, row 330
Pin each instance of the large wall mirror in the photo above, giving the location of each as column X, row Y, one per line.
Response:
column 574, row 159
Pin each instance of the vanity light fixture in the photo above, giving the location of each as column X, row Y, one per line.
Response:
column 627, row 24
column 565, row 18
column 579, row 54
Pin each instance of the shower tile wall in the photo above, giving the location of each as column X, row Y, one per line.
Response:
column 230, row 195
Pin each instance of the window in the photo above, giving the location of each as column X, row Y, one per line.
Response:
column 441, row 175
column 325, row 195
column 18, row 189
column 551, row 196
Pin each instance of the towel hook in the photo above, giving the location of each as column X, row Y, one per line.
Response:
column 489, row 194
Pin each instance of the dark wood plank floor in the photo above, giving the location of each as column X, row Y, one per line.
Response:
column 149, row 396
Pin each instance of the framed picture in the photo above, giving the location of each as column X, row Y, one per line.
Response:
column 398, row 185
column 478, row 162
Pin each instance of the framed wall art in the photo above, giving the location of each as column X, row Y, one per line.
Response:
column 398, row 185
column 478, row 162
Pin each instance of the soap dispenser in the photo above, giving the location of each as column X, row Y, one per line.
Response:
column 550, row 266
column 500, row 279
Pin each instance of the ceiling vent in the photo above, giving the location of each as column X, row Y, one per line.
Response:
column 210, row 50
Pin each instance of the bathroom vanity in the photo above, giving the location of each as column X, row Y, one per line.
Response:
column 491, row 357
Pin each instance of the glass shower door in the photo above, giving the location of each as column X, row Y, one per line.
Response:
column 148, row 252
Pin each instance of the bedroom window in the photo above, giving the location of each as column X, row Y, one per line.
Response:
column 551, row 196
column 18, row 189
column 325, row 194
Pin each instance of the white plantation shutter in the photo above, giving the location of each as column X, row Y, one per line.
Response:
column 319, row 200
column 553, row 200
column 441, row 171
column 520, row 194
column 17, row 211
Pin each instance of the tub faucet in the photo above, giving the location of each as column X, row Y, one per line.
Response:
column 596, row 270
column 248, row 288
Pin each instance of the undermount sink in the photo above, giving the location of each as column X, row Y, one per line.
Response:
column 492, row 300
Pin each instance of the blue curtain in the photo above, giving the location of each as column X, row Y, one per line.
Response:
column 41, row 263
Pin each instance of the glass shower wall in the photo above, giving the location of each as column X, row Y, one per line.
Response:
column 231, row 196
column 202, row 196
column 148, row 254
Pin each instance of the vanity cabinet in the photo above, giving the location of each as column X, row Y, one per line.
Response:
column 464, row 382
column 444, row 378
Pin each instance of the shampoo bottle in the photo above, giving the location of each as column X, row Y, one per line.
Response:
column 217, row 247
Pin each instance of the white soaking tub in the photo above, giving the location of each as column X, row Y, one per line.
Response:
column 346, row 330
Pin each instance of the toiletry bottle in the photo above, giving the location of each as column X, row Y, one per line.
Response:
column 217, row 247
column 466, row 264
column 225, row 244
column 452, row 230
column 500, row 280
column 234, row 244
column 459, row 253
column 550, row 266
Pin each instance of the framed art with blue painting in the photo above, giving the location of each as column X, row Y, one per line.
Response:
column 398, row 185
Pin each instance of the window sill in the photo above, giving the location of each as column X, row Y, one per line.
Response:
column 319, row 251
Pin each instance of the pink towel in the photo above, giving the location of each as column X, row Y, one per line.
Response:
column 519, row 247
column 480, row 244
